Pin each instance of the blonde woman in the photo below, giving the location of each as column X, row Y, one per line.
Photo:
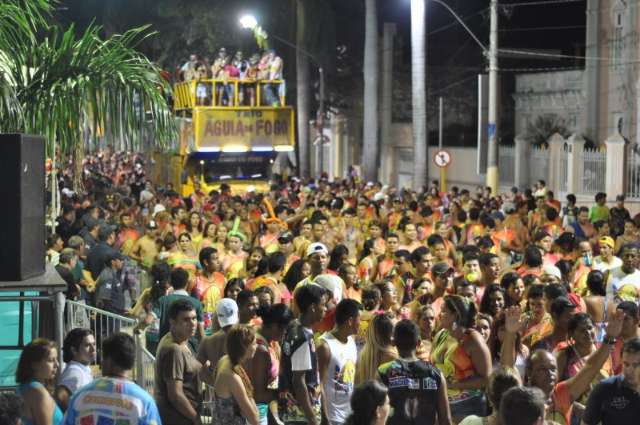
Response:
column 234, row 397
column 378, row 348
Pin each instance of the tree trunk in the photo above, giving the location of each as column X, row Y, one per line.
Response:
column 418, row 93
column 302, row 103
column 370, row 137
column 386, row 100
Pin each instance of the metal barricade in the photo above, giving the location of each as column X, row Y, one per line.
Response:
column 145, row 366
column 103, row 323
column 207, row 412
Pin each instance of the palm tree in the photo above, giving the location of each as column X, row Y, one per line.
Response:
column 370, row 137
column 59, row 85
column 418, row 93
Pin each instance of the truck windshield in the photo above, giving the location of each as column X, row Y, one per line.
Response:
column 232, row 167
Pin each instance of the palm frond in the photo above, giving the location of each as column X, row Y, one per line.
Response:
column 57, row 82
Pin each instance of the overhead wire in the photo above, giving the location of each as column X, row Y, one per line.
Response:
column 540, row 3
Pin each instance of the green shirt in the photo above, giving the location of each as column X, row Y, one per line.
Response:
column 598, row 212
column 161, row 309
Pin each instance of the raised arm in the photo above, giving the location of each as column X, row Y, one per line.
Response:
column 513, row 325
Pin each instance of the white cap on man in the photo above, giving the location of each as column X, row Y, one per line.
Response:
column 227, row 312
column 315, row 248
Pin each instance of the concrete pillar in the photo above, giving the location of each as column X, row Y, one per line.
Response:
column 556, row 142
column 615, row 171
column 592, row 67
column 575, row 165
column 521, row 179
column 386, row 103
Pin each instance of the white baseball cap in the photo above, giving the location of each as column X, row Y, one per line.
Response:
column 316, row 247
column 227, row 312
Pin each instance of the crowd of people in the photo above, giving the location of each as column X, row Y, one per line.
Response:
column 267, row 67
column 345, row 303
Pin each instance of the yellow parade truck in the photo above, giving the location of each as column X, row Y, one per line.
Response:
column 231, row 131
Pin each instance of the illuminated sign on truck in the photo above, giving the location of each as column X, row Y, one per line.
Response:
column 268, row 127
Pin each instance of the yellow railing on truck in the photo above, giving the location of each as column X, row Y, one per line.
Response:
column 213, row 93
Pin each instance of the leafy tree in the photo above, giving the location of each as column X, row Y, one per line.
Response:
column 60, row 85
column 543, row 127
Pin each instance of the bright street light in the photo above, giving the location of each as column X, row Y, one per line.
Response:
column 248, row 22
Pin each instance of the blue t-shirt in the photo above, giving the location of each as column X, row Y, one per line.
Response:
column 112, row 401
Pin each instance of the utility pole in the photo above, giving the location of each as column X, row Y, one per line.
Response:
column 492, row 153
column 440, row 108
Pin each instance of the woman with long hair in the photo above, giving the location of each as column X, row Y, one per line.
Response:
column 185, row 258
column 378, row 348
column 208, row 236
column 369, row 404
column 460, row 352
column 36, row 371
column 233, row 288
column 194, row 228
column 264, row 368
column 368, row 262
column 339, row 256
column 493, row 300
column 299, row 270
column 514, row 289
column 149, row 319
column 234, row 395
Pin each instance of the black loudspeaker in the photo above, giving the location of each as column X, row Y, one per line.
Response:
column 22, row 240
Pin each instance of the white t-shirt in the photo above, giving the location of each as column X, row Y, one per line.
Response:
column 301, row 358
column 75, row 376
column 618, row 279
column 599, row 264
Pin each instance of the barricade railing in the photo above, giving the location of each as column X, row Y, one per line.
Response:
column 228, row 93
column 145, row 366
column 207, row 412
column 103, row 323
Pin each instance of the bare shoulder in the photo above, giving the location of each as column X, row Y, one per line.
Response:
column 36, row 395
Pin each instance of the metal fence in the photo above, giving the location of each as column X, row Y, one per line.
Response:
column 507, row 164
column 145, row 366
column 539, row 164
column 102, row 323
column 595, row 170
column 633, row 175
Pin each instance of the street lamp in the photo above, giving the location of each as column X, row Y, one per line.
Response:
column 248, row 22
column 251, row 23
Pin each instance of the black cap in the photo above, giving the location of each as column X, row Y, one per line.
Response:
column 285, row 237
column 629, row 307
column 105, row 231
column 115, row 255
column 560, row 305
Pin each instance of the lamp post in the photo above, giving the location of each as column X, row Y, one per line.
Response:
column 251, row 23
